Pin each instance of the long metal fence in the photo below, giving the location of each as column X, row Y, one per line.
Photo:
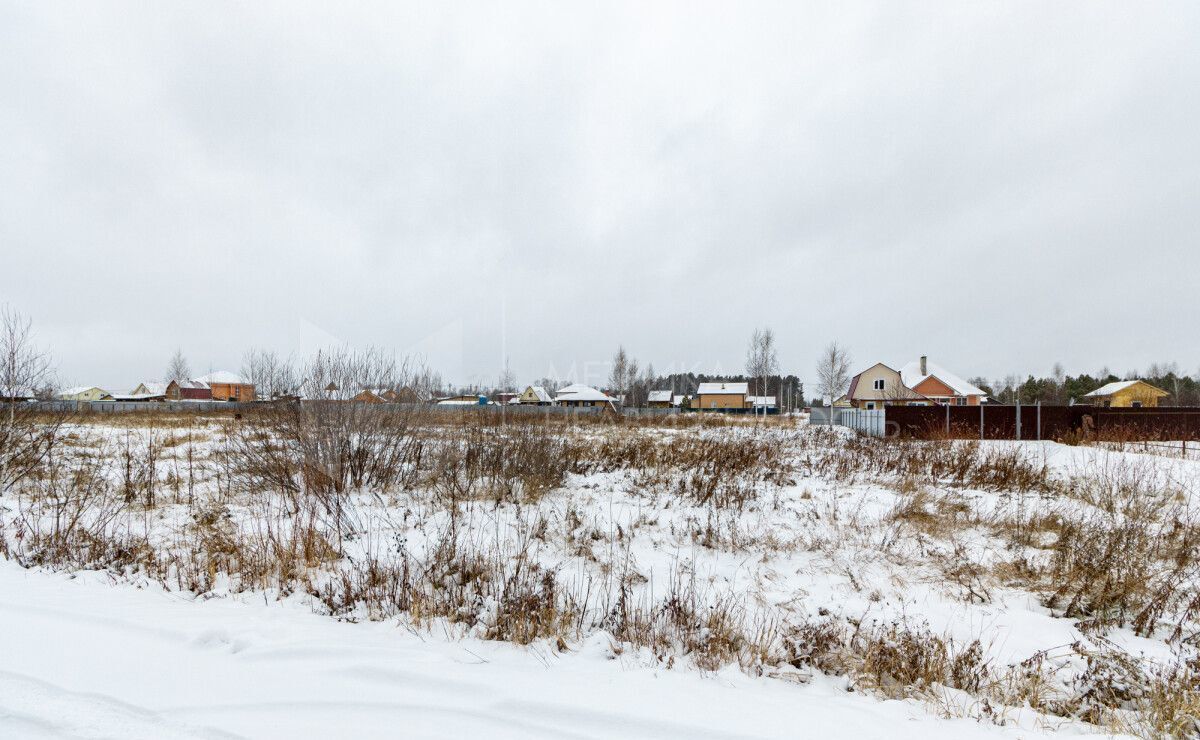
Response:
column 1044, row 422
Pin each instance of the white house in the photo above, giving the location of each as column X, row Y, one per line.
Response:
column 583, row 395
column 763, row 402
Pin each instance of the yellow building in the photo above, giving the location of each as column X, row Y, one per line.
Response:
column 879, row 386
column 722, row 396
column 660, row 399
column 535, row 395
column 85, row 393
column 1126, row 394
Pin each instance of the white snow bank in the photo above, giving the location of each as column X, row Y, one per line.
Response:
column 84, row 658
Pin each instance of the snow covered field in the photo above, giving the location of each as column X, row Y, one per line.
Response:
column 87, row 658
column 653, row 579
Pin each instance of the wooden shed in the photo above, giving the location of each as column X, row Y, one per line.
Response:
column 1126, row 394
column 722, row 396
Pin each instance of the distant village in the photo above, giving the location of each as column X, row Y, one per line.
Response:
column 225, row 386
column 917, row 383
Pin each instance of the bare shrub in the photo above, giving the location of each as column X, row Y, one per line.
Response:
column 329, row 447
column 71, row 517
column 934, row 462
column 28, row 433
column 517, row 462
column 721, row 471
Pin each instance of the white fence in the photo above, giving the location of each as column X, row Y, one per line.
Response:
column 872, row 422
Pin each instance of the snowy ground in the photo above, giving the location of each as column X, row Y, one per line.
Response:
column 89, row 659
column 142, row 651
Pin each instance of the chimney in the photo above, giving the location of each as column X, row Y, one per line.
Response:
column 923, row 365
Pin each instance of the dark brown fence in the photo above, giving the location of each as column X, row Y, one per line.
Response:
column 1043, row 422
column 1165, row 423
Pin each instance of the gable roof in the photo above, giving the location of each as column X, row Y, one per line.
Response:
column 539, row 393
column 854, row 380
column 80, row 389
column 723, row 389
column 912, row 376
column 581, row 392
column 1120, row 385
column 659, row 397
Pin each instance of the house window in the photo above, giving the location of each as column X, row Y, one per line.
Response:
column 879, row 384
column 1136, row 404
column 870, row 405
column 961, row 401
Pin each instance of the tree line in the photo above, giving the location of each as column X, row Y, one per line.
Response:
column 1060, row 388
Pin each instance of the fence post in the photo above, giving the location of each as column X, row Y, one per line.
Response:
column 1018, row 420
column 981, row 405
column 947, row 420
column 1039, row 420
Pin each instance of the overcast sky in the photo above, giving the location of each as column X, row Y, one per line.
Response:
column 999, row 186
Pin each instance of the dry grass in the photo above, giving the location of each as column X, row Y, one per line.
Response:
column 291, row 504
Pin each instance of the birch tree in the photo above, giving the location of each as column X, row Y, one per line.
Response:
column 25, row 370
column 833, row 371
column 762, row 360
column 178, row 369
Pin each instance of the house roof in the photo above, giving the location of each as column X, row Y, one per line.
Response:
column 728, row 389
column 903, row 392
column 762, row 400
column 221, row 376
column 153, row 388
column 856, row 376
column 192, row 384
column 1120, row 385
column 659, row 396
column 581, row 392
column 912, row 376
column 80, row 389
column 677, row 400
column 540, row 392
column 461, row 401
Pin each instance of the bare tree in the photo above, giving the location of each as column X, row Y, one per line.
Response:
column 619, row 375
column 762, row 361
column 25, row 370
column 425, row 383
column 1059, row 376
column 508, row 379
column 833, row 371
column 271, row 376
column 550, row 384
column 632, row 380
column 178, row 369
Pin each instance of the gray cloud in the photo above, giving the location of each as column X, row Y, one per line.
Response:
column 999, row 186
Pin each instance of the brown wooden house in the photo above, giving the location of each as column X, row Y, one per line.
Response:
column 227, row 386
